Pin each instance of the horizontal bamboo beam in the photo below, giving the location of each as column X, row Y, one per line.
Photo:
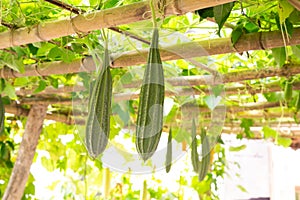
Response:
column 247, row 42
column 96, row 20
column 253, row 41
column 19, row 111
column 273, row 87
column 287, row 70
column 229, row 127
column 230, row 77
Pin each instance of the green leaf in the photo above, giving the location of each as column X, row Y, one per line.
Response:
column 269, row 132
column 238, row 148
column 21, row 81
column 114, row 128
column 236, row 34
column 221, row 13
column 246, row 124
column 182, row 64
column 279, row 55
column 93, row 2
column 285, row 142
column 30, row 187
column 284, row 10
column 12, row 62
column 53, row 81
column 47, row 163
column 251, row 27
column 296, row 50
column 273, row 96
column 9, row 90
column 45, row 49
column 41, row 87
column 294, row 17
column 212, row 101
column 217, row 90
column 201, row 187
column 205, row 13
column 181, row 134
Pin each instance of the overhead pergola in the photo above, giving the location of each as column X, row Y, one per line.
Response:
column 82, row 23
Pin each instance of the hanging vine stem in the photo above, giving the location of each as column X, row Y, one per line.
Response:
column 153, row 14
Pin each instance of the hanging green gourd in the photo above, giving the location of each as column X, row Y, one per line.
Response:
column 297, row 105
column 205, row 162
column 98, row 121
column 288, row 90
column 2, row 115
column 194, row 152
column 2, row 109
column 150, row 110
column 169, row 152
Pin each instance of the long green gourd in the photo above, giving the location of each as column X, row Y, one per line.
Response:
column 150, row 110
column 205, row 162
column 298, row 102
column 288, row 90
column 2, row 115
column 194, row 152
column 169, row 152
column 98, row 121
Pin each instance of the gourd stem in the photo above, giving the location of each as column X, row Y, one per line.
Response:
column 153, row 14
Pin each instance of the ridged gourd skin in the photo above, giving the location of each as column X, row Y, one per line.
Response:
column 98, row 121
column 150, row 110
column 205, row 162
column 194, row 147
column 169, row 152
column 2, row 115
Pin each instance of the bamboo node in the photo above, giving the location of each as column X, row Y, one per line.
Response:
column 77, row 30
column 12, row 38
column 261, row 44
column 2, row 73
column 176, row 8
column 38, row 33
column 82, row 65
column 13, row 73
column 36, row 70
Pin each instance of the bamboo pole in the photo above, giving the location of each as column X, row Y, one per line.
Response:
column 189, row 81
column 244, row 89
column 232, row 111
column 231, row 77
column 96, row 20
column 20, row 173
column 19, row 111
column 253, row 41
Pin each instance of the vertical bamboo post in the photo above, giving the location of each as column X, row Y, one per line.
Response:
column 20, row 173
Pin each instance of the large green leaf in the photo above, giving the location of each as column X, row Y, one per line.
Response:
column 269, row 132
column 279, row 55
column 221, row 13
column 285, row 142
column 284, row 10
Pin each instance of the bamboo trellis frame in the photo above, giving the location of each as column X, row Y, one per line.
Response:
column 96, row 20
column 246, row 110
column 254, row 41
column 124, row 15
